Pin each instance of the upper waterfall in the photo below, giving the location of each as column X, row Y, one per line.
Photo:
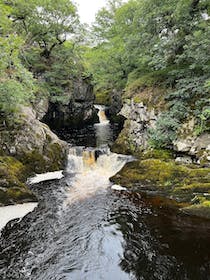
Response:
column 102, row 114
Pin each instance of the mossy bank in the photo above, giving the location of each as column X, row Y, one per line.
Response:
column 27, row 146
column 184, row 183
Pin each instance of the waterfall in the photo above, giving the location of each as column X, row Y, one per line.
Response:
column 92, row 168
column 101, row 114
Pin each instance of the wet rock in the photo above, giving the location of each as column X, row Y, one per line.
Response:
column 183, row 145
column 195, row 146
column 187, row 184
column 139, row 119
column 34, row 144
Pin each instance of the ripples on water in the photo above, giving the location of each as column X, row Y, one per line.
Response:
column 82, row 230
column 105, row 236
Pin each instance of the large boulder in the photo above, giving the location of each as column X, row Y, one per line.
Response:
column 33, row 143
column 27, row 146
column 196, row 146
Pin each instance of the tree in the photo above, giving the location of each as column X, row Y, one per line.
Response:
column 46, row 23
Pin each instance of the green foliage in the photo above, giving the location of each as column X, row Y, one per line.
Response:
column 35, row 56
column 204, row 121
column 12, row 94
column 152, row 43
column 165, row 131
column 46, row 23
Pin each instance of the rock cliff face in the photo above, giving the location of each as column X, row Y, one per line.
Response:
column 140, row 118
column 76, row 108
column 26, row 147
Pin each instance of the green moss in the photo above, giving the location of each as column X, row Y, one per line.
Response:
column 124, row 144
column 200, row 210
column 161, row 173
column 52, row 159
column 158, row 154
column 12, row 177
column 196, row 186
column 150, row 96
column 34, row 161
column 20, row 194
column 11, row 169
column 137, row 99
column 188, row 184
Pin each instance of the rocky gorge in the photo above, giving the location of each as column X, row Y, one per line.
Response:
column 28, row 146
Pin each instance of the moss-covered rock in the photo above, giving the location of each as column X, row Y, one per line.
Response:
column 164, row 174
column 189, row 184
column 12, row 175
column 53, row 158
column 123, row 144
column 26, row 148
column 33, row 144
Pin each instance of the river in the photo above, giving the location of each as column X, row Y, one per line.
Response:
column 83, row 229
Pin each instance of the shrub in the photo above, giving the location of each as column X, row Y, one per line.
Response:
column 165, row 131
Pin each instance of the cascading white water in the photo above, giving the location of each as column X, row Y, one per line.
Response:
column 101, row 114
column 92, row 169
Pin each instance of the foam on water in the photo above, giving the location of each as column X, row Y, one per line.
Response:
column 46, row 177
column 12, row 212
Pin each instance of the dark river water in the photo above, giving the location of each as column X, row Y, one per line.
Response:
column 84, row 230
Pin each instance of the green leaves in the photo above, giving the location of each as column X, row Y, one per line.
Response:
column 165, row 132
column 46, row 23
column 12, row 95
column 33, row 36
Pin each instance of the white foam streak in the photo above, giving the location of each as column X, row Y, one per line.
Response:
column 12, row 212
column 46, row 177
column 118, row 188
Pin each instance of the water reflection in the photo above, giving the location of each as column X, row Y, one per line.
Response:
column 163, row 244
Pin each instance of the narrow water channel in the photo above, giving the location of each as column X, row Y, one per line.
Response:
column 84, row 230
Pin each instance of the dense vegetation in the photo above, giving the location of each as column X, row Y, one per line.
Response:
column 39, row 51
column 137, row 44
column 156, row 43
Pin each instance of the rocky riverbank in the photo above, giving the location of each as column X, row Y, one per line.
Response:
column 180, row 172
column 27, row 144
